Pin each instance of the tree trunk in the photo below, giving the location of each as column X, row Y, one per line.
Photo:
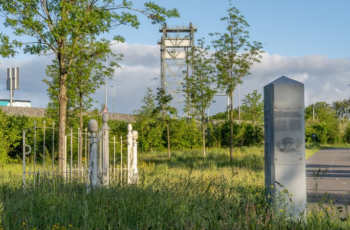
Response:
column 168, row 136
column 62, row 119
column 81, row 135
column 203, row 135
column 231, row 127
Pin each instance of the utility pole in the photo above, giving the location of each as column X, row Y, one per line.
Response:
column 106, row 95
column 113, row 96
column 239, row 103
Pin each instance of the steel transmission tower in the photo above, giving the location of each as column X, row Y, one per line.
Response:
column 175, row 43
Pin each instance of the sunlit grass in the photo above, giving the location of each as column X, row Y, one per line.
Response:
column 186, row 191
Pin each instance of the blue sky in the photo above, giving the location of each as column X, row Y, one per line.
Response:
column 304, row 40
column 288, row 28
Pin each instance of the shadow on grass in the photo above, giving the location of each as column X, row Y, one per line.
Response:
column 193, row 159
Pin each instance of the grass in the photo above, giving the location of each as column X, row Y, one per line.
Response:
column 184, row 192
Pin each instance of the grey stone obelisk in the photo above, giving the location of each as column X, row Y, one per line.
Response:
column 285, row 144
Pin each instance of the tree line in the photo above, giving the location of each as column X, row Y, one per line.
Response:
column 324, row 124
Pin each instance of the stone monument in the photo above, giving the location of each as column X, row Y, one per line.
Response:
column 285, row 172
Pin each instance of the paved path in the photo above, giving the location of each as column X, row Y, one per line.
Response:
column 333, row 169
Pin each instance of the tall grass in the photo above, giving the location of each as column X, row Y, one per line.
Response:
column 184, row 192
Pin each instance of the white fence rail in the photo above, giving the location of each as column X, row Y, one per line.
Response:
column 90, row 157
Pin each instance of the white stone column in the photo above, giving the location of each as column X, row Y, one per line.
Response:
column 105, row 150
column 134, row 170
column 93, row 168
column 129, row 153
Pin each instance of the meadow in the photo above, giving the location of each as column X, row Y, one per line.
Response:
column 186, row 191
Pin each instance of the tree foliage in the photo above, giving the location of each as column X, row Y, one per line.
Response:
column 253, row 108
column 200, row 86
column 63, row 27
column 234, row 56
column 150, row 131
column 325, row 125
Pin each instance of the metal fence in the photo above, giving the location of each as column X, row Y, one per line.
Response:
column 40, row 155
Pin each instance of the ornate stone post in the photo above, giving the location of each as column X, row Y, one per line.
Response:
column 93, row 169
column 134, row 170
column 105, row 150
column 129, row 153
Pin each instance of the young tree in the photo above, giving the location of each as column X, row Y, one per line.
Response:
column 87, row 74
column 164, row 111
column 150, row 132
column 253, row 107
column 58, row 26
column 200, row 84
column 234, row 55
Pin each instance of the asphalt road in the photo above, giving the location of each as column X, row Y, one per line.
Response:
column 328, row 173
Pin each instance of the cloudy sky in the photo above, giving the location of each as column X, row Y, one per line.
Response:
column 305, row 40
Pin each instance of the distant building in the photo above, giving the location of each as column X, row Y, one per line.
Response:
column 15, row 103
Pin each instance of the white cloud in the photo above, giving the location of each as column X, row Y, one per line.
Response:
column 326, row 87
column 325, row 79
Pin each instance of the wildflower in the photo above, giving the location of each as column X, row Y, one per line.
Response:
column 24, row 223
column 271, row 186
column 281, row 210
column 331, row 201
column 70, row 225
column 328, row 208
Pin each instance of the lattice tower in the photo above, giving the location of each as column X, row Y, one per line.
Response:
column 175, row 43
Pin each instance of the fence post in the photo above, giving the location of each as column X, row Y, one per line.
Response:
column 114, row 159
column 24, row 158
column 129, row 153
column 134, row 171
column 105, row 150
column 64, row 172
column 44, row 147
column 71, row 152
column 79, row 153
column 93, row 128
column 121, row 159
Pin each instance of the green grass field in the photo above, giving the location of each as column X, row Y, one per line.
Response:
column 184, row 192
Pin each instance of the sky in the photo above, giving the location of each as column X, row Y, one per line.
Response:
column 307, row 41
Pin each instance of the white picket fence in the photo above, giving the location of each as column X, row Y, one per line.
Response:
column 83, row 150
